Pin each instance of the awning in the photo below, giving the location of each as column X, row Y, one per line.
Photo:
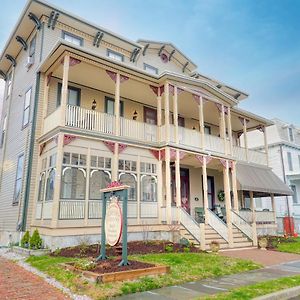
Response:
column 260, row 180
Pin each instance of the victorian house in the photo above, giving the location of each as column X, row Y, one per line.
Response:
column 84, row 107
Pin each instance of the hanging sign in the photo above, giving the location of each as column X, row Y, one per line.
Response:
column 113, row 222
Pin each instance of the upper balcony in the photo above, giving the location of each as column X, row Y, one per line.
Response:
column 141, row 109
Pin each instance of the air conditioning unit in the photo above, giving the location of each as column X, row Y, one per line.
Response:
column 30, row 62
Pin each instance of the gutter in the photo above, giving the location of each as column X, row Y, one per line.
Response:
column 30, row 154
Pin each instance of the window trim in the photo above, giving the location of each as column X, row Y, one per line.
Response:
column 15, row 200
column 150, row 67
column 64, row 33
column 108, row 51
column 25, row 108
column 59, row 90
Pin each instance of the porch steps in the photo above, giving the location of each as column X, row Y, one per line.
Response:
column 240, row 240
column 212, row 235
column 184, row 233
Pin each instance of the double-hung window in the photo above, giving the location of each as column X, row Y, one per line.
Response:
column 150, row 69
column 74, row 95
column 291, row 134
column 290, row 162
column 4, row 130
column 207, row 129
column 32, row 47
column 74, row 39
column 26, row 112
column 295, row 197
column 18, row 182
column 115, row 55
column 9, row 82
column 110, row 106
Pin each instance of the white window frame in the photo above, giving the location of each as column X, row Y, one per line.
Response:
column 150, row 69
column 72, row 38
column 19, row 177
column 9, row 84
column 26, row 110
column 115, row 55
column 291, row 134
column 290, row 161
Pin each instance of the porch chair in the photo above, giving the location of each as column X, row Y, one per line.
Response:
column 199, row 215
column 219, row 213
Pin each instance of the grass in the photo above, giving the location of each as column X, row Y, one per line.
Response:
column 184, row 267
column 256, row 290
column 290, row 247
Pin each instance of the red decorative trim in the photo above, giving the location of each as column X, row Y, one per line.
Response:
column 222, row 107
column 123, row 78
column 68, row 139
column 224, row 161
column 197, row 98
column 171, row 89
column 42, row 147
column 182, row 155
column 239, row 134
column 114, row 184
column 179, row 91
column 122, row 147
column 155, row 153
column 161, row 90
column 200, row 158
column 154, row 89
column 261, row 128
column 243, row 120
column 73, row 61
column 162, row 154
column 172, row 153
column 112, row 75
column 49, row 76
column 110, row 146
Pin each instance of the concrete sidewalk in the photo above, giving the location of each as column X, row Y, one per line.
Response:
column 208, row 287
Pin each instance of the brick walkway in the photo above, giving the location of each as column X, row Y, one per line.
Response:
column 264, row 257
column 18, row 284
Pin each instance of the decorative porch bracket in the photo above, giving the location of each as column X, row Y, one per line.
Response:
column 134, row 54
column 53, row 19
column 145, row 49
column 98, row 38
column 22, row 42
column 3, row 75
column 11, row 59
column 35, row 20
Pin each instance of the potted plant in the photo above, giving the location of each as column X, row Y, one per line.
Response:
column 221, row 196
column 263, row 243
column 214, row 246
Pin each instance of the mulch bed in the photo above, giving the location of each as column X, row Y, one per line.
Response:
column 136, row 247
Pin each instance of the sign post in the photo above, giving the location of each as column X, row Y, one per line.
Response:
column 114, row 220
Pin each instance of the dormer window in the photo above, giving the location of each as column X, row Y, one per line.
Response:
column 150, row 69
column 74, row 39
column 115, row 55
column 291, row 134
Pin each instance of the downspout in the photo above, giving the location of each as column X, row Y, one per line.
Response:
column 30, row 154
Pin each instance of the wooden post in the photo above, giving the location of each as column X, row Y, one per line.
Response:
column 167, row 113
column 254, row 232
column 115, row 163
column 87, row 187
column 266, row 144
column 117, row 105
column 178, row 184
column 64, row 89
column 223, row 129
column 274, row 208
column 245, row 138
column 159, row 116
column 229, row 126
column 168, row 186
column 175, row 114
column 205, row 190
column 201, row 123
column 45, row 100
column 234, row 187
column 228, row 202
column 159, row 190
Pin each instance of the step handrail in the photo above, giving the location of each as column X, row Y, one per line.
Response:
column 218, row 225
column 242, row 224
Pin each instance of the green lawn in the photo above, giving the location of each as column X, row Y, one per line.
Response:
column 256, row 290
column 291, row 247
column 184, row 267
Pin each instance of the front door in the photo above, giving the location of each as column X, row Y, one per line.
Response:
column 150, row 117
column 211, row 191
column 185, row 189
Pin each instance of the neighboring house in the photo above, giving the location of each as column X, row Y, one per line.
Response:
column 84, row 106
column 284, row 157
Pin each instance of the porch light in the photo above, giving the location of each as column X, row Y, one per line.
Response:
column 94, row 105
column 194, row 128
column 135, row 114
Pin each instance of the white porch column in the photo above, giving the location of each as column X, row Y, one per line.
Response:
column 205, row 190
column 168, row 187
column 254, row 232
column 201, row 122
column 117, row 105
column 45, row 99
column 159, row 189
column 159, row 115
column 64, row 89
column 178, row 184
column 274, row 208
column 245, row 137
column 57, row 181
column 228, row 202
column 167, row 113
column 115, row 163
column 266, row 144
column 234, row 186
column 223, row 128
column 175, row 114
column 87, row 187
column 229, row 126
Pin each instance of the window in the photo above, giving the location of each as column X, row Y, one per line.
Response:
column 42, row 182
column 74, row 95
column 148, row 168
column 129, row 179
column 99, row 179
column 148, row 188
column 290, row 162
column 18, row 183
column 4, row 130
column 26, row 112
column 127, row 165
column 73, row 183
column 51, row 177
column 150, row 69
column 9, row 82
column 295, row 197
column 100, row 162
column 258, row 203
column 115, row 55
column 110, row 106
column 74, row 159
column 207, row 129
column 32, row 46
column 291, row 134
column 69, row 37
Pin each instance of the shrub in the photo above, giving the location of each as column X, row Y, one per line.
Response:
column 85, row 265
column 25, row 240
column 36, row 241
column 169, row 248
column 186, row 249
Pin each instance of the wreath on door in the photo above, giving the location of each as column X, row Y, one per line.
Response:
column 221, row 196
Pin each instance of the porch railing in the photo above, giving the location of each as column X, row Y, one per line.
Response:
column 190, row 224
column 261, row 216
column 214, row 143
column 218, row 225
column 69, row 209
column 242, row 224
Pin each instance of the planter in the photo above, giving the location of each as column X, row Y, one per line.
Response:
column 117, row 276
column 214, row 247
column 30, row 252
column 263, row 243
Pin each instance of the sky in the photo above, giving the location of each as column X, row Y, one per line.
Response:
column 252, row 45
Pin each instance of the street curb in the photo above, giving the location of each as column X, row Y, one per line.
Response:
column 281, row 295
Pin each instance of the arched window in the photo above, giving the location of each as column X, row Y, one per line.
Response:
column 148, row 188
column 50, row 184
column 42, row 187
column 99, row 179
column 129, row 179
column 73, row 183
